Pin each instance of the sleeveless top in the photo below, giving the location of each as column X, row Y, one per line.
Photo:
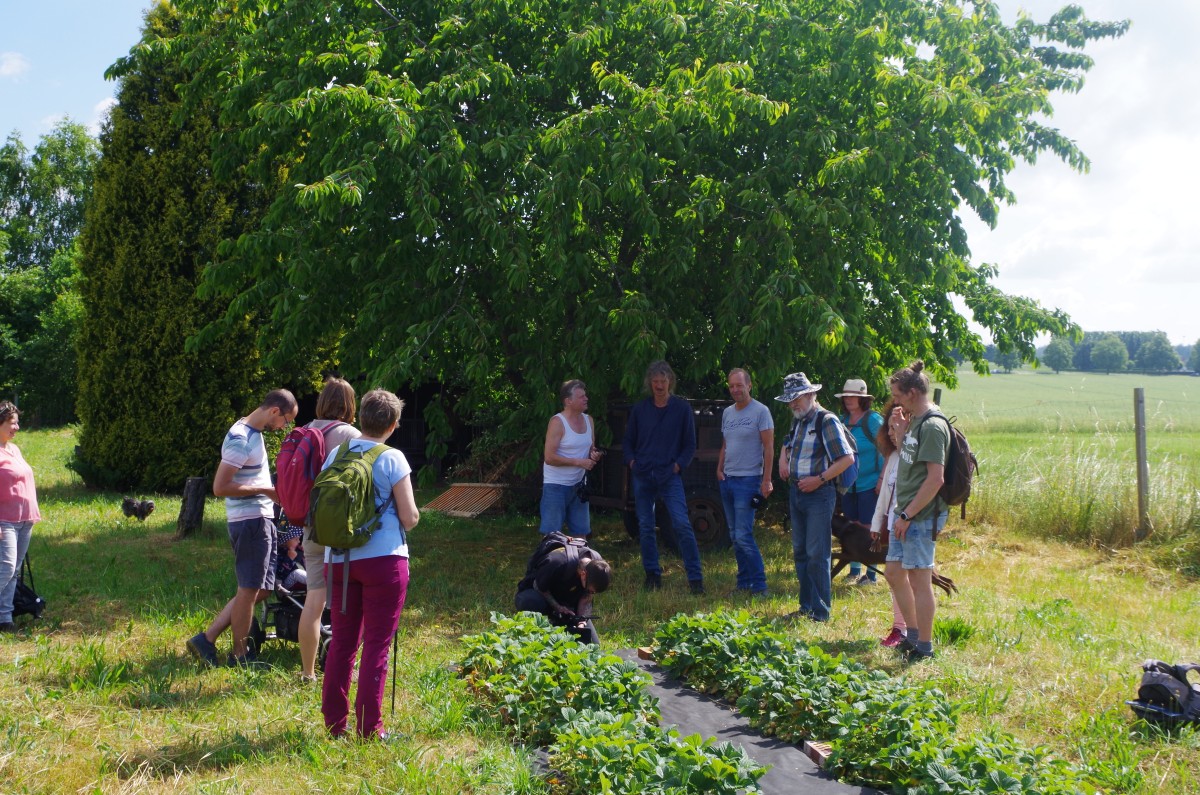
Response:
column 18, row 499
column 572, row 445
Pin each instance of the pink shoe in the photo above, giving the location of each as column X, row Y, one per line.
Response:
column 893, row 639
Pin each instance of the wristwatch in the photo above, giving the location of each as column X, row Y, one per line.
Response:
column 905, row 516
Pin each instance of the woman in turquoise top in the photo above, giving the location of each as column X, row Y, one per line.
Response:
column 858, row 504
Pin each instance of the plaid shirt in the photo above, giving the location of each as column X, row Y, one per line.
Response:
column 807, row 455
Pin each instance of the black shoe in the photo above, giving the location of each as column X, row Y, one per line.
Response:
column 696, row 587
column 905, row 647
column 8, row 627
column 653, row 582
column 914, row 655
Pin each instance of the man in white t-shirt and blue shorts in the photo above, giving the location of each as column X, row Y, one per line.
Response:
column 244, row 479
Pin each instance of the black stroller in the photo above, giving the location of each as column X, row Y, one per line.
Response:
column 279, row 619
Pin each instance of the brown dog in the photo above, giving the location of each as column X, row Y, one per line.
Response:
column 855, row 538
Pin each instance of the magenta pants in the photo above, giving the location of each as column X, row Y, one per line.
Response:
column 374, row 601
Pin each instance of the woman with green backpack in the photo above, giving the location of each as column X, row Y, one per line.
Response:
column 368, row 576
column 858, row 504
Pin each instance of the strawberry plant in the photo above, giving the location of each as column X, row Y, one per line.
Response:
column 592, row 708
column 884, row 733
column 625, row 754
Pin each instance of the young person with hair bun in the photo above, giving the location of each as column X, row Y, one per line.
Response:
column 919, row 513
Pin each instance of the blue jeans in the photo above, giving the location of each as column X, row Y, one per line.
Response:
column 735, row 496
column 14, row 543
column 812, row 547
column 561, row 503
column 645, row 493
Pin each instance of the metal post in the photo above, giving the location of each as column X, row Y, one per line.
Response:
column 937, row 396
column 1143, row 466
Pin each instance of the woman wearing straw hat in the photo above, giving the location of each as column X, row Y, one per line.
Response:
column 858, row 504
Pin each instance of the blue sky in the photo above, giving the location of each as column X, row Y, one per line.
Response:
column 1110, row 247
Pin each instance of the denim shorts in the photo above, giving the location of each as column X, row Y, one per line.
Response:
column 254, row 552
column 916, row 550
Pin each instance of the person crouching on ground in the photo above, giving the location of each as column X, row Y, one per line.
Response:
column 562, row 590
column 377, row 580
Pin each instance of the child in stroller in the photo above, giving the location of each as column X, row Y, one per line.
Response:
column 280, row 616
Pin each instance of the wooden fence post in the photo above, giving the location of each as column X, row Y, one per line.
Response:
column 937, row 396
column 191, row 512
column 1143, row 465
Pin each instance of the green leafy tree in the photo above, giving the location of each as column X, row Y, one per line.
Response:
column 1109, row 354
column 42, row 200
column 43, row 194
column 153, row 410
column 1058, row 354
column 1157, row 353
column 499, row 196
column 1194, row 361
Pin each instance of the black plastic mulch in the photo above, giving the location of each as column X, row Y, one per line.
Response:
column 791, row 773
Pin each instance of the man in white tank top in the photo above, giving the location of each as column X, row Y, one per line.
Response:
column 569, row 454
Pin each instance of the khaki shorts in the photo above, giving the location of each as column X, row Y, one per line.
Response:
column 314, row 563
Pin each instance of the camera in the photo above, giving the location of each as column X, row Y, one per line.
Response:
column 757, row 501
column 581, row 490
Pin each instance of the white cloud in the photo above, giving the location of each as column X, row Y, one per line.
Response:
column 13, row 65
column 100, row 113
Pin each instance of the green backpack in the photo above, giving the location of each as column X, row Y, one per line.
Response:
column 342, row 513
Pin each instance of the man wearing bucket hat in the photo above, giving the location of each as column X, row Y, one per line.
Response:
column 816, row 451
column 858, row 504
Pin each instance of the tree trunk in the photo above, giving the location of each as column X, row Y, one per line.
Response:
column 191, row 512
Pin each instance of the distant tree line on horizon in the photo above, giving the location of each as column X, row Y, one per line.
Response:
column 1107, row 351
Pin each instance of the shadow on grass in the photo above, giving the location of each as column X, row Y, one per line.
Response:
column 198, row 755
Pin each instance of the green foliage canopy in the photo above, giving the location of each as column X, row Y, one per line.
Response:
column 1109, row 354
column 499, row 195
column 43, row 195
column 1157, row 353
column 1058, row 354
column 1194, row 360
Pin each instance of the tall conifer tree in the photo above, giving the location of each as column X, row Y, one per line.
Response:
column 154, row 408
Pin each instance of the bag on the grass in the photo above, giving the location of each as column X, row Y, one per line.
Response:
column 343, row 513
column 574, row 547
column 1167, row 686
column 26, row 602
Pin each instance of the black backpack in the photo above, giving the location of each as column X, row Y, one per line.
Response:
column 1166, row 694
column 575, row 547
column 25, row 599
column 961, row 465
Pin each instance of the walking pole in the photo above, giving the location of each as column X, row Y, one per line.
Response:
column 395, row 653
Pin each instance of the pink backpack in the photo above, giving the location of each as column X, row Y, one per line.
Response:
column 297, row 466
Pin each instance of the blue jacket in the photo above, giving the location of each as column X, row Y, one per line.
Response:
column 657, row 439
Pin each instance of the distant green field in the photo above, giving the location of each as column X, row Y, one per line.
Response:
column 1057, row 453
column 1028, row 401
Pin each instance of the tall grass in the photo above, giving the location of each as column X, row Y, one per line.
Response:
column 1057, row 457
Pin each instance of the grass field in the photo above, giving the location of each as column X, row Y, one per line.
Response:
column 1057, row 456
column 102, row 698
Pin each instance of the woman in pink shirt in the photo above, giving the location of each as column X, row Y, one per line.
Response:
column 18, row 512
